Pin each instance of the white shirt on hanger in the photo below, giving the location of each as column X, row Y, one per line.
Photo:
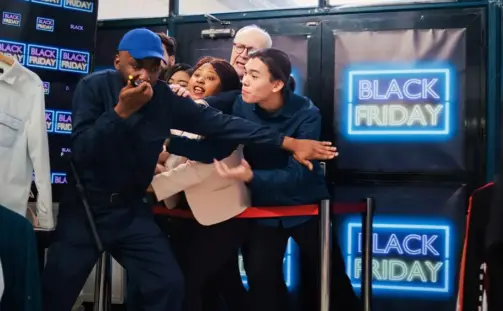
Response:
column 2, row 286
column 24, row 146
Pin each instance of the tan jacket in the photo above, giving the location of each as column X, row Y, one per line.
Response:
column 211, row 198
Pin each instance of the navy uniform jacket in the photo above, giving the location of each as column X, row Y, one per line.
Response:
column 115, row 155
column 279, row 180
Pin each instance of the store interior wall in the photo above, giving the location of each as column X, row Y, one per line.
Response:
column 414, row 198
column 129, row 9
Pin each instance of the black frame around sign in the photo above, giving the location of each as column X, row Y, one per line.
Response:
column 475, row 103
column 321, row 77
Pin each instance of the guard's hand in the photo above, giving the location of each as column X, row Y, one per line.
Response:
column 159, row 169
column 306, row 149
column 242, row 172
column 163, row 156
column 179, row 90
column 132, row 98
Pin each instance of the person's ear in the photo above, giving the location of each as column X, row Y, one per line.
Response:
column 278, row 85
column 171, row 61
column 117, row 62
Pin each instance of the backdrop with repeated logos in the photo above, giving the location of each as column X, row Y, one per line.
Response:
column 56, row 40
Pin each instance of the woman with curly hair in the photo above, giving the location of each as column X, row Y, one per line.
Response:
column 205, row 247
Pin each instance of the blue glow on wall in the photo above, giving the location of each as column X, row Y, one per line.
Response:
column 58, row 121
column 58, row 179
column 410, row 257
column 49, row 120
column 290, row 266
column 63, row 122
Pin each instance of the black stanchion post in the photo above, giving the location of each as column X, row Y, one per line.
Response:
column 100, row 283
column 102, row 286
column 367, row 229
column 108, row 283
column 325, row 243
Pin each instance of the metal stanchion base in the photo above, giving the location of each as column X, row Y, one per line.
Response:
column 367, row 222
column 325, row 251
column 102, row 286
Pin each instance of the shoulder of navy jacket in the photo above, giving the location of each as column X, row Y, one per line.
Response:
column 233, row 93
column 293, row 104
column 103, row 74
column 311, row 105
column 227, row 96
column 162, row 84
column 239, row 99
column 225, row 101
column 303, row 103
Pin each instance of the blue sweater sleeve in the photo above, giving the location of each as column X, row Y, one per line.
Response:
column 205, row 150
column 212, row 123
column 201, row 150
column 223, row 101
column 293, row 174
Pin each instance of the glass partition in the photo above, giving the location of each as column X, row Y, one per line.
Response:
column 195, row 7
column 128, row 9
column 357, row 3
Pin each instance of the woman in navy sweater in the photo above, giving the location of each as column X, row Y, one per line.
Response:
column 275, row 178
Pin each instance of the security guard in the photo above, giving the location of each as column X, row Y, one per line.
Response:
column 118, row 131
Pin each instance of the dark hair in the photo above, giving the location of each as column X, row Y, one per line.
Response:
column 278, row 64
column 168, row 42
column 228, row 76
column 177, row 67
column 291, row 83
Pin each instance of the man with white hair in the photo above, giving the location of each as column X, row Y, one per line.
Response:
column 248, row 39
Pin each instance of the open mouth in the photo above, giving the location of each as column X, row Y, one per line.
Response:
column 197, row 90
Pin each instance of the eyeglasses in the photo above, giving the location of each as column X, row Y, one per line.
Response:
column 240, row 48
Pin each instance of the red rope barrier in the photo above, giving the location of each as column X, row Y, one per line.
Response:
column 274, row 211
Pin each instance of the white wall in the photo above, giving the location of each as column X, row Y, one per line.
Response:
column 126, row 9
column 191, row 7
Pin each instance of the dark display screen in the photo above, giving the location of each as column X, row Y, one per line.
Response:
column 56, row 40
column 417, row 235
column 295, row 46
column 402, row 115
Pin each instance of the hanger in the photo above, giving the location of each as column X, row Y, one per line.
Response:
column 6, row 59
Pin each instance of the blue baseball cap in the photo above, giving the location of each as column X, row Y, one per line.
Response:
column 142, row 43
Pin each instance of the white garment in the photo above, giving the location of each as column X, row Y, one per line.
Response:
column 171, row 163
column 24, row 146
column 2, row 286
column 212, row 199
